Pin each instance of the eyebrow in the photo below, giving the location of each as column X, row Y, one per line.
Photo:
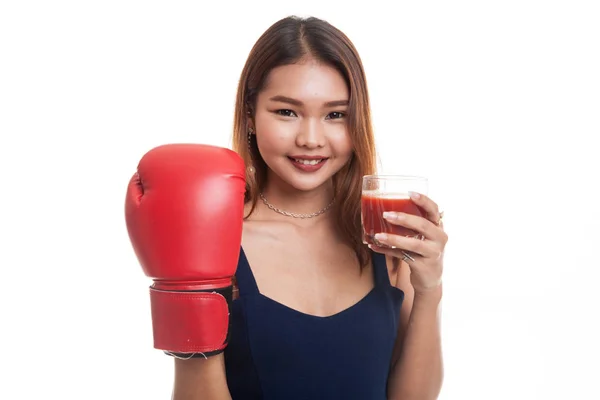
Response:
column 298, row 103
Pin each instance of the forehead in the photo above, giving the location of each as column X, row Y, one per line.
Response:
column 307, row 81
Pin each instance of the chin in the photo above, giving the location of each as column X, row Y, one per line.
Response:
column 307, row 185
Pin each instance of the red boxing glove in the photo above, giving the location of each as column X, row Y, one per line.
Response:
column 184, row 213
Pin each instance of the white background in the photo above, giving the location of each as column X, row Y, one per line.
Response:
column 498, row 103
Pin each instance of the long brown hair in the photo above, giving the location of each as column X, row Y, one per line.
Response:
column 288, row 41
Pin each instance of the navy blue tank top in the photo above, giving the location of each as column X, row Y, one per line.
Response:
column 276, row 352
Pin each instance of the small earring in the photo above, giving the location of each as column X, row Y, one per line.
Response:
column 250, row 133
column 251, row 169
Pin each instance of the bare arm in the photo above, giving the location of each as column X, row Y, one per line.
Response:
column 199, row 378
column 417, row 369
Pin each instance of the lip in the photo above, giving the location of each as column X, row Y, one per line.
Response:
column 307, row 167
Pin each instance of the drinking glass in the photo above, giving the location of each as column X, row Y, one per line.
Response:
column 382, row 193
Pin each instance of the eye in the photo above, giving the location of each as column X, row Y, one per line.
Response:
column 285, row 113
column 336, row 115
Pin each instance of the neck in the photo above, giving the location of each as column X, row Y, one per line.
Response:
column 298, row 202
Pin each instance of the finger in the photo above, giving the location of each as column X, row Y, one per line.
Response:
column 416, row 223
column 425, row 248
column 406, row 257
column 431, row 208
column 401, row 255
column 382, row 250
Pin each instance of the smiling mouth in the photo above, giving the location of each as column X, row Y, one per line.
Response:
column 307, row 162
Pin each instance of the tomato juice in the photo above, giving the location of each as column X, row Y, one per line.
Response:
column 374, row 204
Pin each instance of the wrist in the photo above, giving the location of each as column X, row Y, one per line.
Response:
column 428, row 295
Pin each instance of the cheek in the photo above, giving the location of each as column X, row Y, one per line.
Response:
column 342, row 144
column 273, row 136
column 269, row 134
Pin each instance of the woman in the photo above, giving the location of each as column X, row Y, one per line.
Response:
column 319, row 314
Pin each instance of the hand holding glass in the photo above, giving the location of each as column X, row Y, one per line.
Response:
column 381, row 193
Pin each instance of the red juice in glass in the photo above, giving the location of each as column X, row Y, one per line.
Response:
column 383, row 193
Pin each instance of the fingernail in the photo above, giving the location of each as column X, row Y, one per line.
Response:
column 381, row 236
column 414, row 195
column 393, row 215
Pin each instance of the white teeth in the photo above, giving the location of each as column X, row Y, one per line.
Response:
column 307, row 162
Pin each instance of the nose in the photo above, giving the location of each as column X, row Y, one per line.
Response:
column 311, row 134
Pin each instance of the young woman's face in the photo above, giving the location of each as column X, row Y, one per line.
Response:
column 300, row 124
